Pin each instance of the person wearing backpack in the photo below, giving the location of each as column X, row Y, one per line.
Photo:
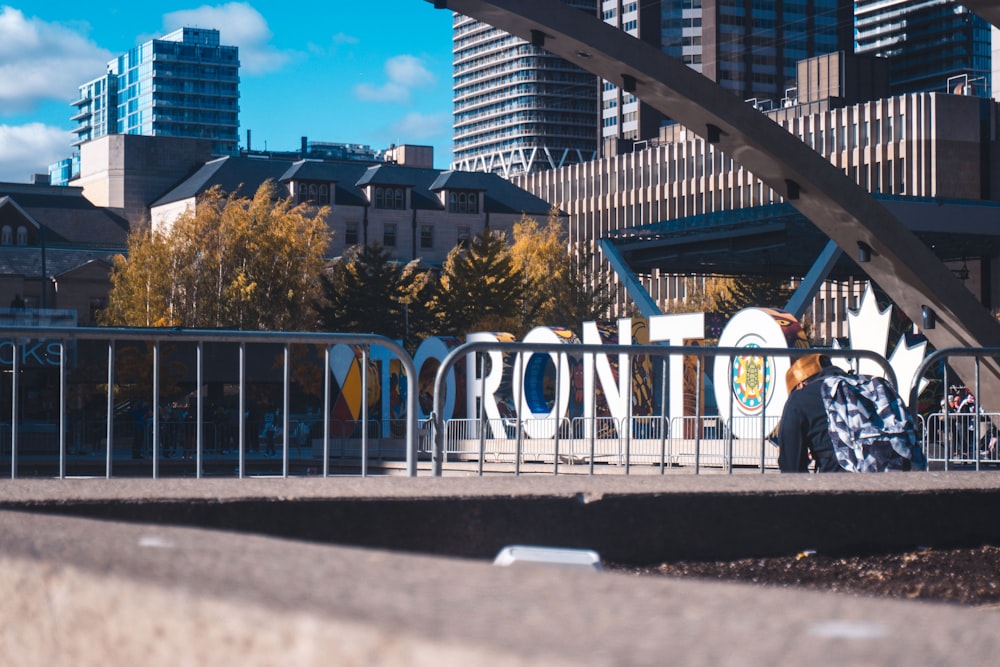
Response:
column 804, row 434
column 843, row 421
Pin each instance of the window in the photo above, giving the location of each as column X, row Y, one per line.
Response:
column 7, row 235
column 389, row 236
column 426, row 237
column 463, row 202
column 351, row 234
column 22, row 235
column 312, row 193
column 391, row 198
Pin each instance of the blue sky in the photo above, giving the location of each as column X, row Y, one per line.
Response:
column 376, row 72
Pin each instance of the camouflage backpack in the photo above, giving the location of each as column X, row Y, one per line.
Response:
column 869, row 425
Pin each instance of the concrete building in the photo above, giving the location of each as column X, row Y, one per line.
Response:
column 127, row 172
column 678, row 207
column 518, row 108
column 414, row 212
column 56, row 250
column 932, row 45
column 751, row 49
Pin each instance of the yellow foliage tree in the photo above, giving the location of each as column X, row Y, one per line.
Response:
column 561, row 287
column 540, row 254
column 235, row 262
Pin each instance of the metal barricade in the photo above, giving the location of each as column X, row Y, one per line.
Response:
column 636, row 440
column 953, row 437
column 124, row 433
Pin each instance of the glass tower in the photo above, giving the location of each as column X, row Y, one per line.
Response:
column 185, row 84
column 933, row 45
column 750, row 48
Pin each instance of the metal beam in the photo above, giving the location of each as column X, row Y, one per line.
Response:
column 814, row 280
column 900, row 263
column 645, row 303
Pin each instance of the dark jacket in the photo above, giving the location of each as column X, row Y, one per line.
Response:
column 804, row 429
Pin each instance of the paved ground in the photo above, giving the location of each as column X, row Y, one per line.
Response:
column 158, row 572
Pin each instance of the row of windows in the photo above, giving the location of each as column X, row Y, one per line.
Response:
column 393, row 198
column 7, row 235
column 389, row 236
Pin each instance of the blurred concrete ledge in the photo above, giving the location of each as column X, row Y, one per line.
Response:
column 86, row 592
column 636, row 519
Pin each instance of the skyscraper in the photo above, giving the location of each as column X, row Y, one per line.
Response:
column 932, row 45
column 518, row 108
column 750, row 48
column 184, row 84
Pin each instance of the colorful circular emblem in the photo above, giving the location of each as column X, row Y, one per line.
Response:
column 752, row 378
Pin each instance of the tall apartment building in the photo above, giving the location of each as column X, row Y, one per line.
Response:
column 518, row 108
column 184, row 84
column 933, row 45
column 748, row 48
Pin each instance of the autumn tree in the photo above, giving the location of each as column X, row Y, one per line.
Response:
column 481, row 289
column 562, row 287
column 234, row 262
column 748, row 291
column 727, row 295
column 539, row 253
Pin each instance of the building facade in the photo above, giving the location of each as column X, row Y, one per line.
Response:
column 932, row 45
column 518, row 108
column 751, row 49
column 56, row 252
column 414, row 212
column 184, row 84
column 919, row 145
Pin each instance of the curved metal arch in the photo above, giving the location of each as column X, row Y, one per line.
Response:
column 898, row 261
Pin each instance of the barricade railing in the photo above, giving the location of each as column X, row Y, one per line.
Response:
column 634, row 439
column 197, row 436
column 653, row 441
column 962, row 438
column 951, row 436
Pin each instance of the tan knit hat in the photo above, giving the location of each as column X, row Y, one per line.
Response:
column 805, row 368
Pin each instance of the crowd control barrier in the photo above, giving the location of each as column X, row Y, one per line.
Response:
column 32, row 355
column 964, row 437
column 658, row 439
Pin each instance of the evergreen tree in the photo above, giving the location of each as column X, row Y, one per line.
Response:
column 481, row 289
column 367, row 291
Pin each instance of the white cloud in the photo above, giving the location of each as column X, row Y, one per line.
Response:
column 403, row 73
column 415, row 126
column 30, row 149
column 344, row 38
column 43, row 61
column 240, row 25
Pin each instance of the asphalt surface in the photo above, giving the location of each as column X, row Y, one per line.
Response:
column 158, row 572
